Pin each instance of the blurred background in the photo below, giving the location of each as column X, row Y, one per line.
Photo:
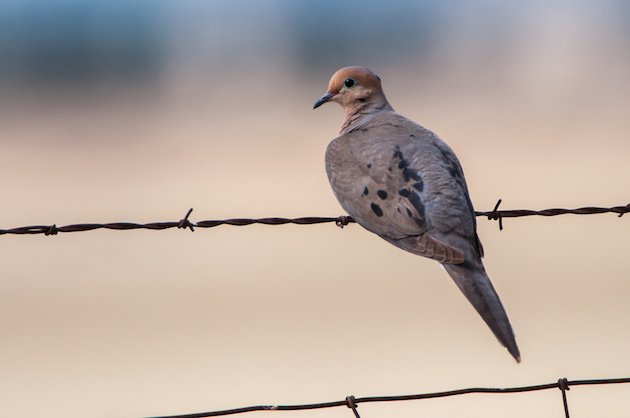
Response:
column 136, row 111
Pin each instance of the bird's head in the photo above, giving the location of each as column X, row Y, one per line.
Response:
column 354, row 88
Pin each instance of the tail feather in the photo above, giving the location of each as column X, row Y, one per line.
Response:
column 472, row 280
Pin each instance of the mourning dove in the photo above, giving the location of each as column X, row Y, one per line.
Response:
column 403, row 183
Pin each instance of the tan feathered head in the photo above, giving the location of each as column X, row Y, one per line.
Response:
column 353, row 87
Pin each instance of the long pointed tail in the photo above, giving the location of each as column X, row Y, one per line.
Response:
column 473, row 281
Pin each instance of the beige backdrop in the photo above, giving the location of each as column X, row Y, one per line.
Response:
column 141, row 323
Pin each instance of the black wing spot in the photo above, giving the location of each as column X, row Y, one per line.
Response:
column 376, row 209
column 419, row 186
column 409, row 213
column 404, row 166
column 410, row 174
column 456, row 173
column 404, row 192
column 382, row 194
column 445, row 156
column 366, row 191
column 414, row 199
column 369, row 165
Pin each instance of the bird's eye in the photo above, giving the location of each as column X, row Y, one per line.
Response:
column 349, row 83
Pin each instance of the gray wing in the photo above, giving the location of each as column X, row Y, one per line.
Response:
column 401, row 182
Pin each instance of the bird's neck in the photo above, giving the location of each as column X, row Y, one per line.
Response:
column 359, row 114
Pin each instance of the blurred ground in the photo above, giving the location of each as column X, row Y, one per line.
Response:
column 135, row 112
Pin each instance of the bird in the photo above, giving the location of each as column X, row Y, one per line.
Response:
column 402, row 182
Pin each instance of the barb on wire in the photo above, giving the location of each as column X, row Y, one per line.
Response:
column 563, row 385
column 185, row 223
column 352, row 402
column 340, row 221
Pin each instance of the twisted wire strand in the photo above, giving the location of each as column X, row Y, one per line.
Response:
column 351, row 402
column 340, row 221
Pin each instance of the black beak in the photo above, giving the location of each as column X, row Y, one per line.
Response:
column 326, row 97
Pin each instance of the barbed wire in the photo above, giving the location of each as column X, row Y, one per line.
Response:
column 351, row 402
column 340, row 221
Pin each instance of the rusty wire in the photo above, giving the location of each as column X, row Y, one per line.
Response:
column 351, row 402
column 341, row 221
